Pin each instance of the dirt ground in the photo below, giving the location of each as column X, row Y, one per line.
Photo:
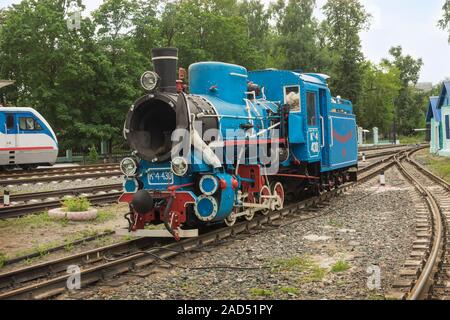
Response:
column 38, row 233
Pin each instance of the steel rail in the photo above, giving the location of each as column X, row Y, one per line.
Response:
column 56, row 170
column 423, row 282
column 57, row 248
column 55, row 286
column 381, row 154
column 60, row 193
column 22, row 210
column 25, row 209
column 429, row 174
column 45, row 269
column 383, row 147
column 75, row 170
column 30, row 180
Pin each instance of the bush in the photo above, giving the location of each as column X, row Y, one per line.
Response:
column 3, row 259
column 340, row 266
column 93, row 154
column 76, row 204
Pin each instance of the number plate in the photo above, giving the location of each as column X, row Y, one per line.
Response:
column 160, row 176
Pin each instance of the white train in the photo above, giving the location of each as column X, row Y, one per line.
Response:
column 26, row 139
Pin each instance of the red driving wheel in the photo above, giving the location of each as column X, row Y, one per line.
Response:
column 278, row 190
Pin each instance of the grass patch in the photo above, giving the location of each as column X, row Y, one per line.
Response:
column 309, row 270
column 190, row 286
column 104, row 216
column 335, row 223
column 258, row 292
column 417, row 138
column 292, row 264
column 69, row 241
column 69, row 247
column 3, row 259
column 127, row 238
column 154, row 227
column 33, row 220
column 440, row 166
column 340, row 266
column 315, row 274
column 78, row 204
column 375, row 296
column 43, row 249
column 289, row 290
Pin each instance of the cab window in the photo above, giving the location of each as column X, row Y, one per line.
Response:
column 311, row 106
column 29, row 124
column 292, row 98
column 10, row 121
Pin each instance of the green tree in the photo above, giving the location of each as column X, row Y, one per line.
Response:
column 147, row 27
column 296, row 30
column 259, row 31
column 344, row 20
column 381, row 86
column 409, row 104
column 444, row 23
column 49, row 62
column 208, row 30
column 121, row 68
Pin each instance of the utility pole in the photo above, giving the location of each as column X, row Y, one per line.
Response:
column 395, row 122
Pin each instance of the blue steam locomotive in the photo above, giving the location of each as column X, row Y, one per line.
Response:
column 231, row 145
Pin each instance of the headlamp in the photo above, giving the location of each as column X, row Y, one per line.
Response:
column 129, row 167
column 179, row 166
column 149, row 80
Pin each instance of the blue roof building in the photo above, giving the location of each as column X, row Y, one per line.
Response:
column 433, row 122
column 444, row 107
column 438, row 118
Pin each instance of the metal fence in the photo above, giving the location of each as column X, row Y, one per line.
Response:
column 84, row 158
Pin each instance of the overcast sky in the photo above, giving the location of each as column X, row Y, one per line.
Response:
column 409, row 23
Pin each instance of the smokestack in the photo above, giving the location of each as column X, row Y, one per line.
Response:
column 165, row 62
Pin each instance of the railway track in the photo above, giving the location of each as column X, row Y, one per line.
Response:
column 55, row 170
column 85, row 240
column 24, row 204
column 385, row 147
column 50, row 278
column 426, row 274
column 373, row 155
column 11, row 178
column 68, row 176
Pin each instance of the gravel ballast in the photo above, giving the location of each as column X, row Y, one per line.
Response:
column 63, row 185
column 363, row 233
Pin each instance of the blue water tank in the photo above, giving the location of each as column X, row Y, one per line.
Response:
column 227, row 82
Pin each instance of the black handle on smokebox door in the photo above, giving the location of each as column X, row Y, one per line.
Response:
column 128, row 218
column 166, row 217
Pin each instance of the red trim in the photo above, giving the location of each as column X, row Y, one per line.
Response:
column 342, row 139
column 252, row 142
column 175, row 188
column 126, row 197
column 26, row 149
